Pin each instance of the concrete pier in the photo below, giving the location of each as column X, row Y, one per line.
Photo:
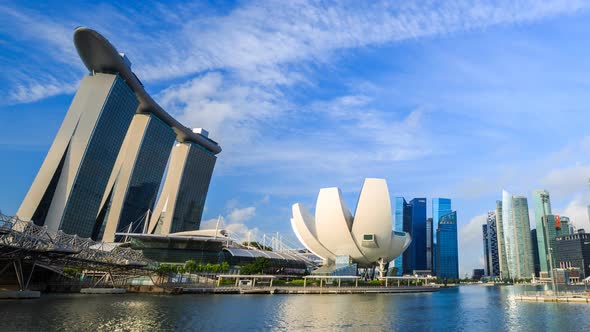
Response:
column 9, row 294
column 103, row 291
column 547, row 298
column 305, row 290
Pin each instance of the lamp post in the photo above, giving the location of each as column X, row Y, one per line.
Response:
column 545, row 199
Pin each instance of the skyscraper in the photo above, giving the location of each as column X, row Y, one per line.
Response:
column 67, row 191
column 136, row 177
column 429, row 244
column 574, row 251
column 517, row 235
column 447, row 254
column 542, row 207
column 418, row 245
column 403, row 223
column 85, row 181
column 486, row 250
column 181, row 202
column 534, row 242
column 440, row 207
column 501, row 242
column 492, row 245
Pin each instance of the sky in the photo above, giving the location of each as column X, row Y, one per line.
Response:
column 443, row 99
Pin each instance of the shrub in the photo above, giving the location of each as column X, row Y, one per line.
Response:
column 298, row 282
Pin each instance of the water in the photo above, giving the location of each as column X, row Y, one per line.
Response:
column 466, row 308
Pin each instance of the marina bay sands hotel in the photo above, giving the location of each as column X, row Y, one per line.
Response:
column 116, row 152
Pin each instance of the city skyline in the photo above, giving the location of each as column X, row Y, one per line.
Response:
column 413, row 100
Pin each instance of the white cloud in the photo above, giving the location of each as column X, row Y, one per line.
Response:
column 577, row 211
column 234, row 222
column 471, row 245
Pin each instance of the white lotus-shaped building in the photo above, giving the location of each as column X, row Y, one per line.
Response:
column 367, row 238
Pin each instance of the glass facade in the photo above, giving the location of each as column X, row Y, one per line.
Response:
column 501, row 242
column 447, row 253
column 536, row 263
column 492, row 244
column 148, row 169
column 486, row 250
column 429, row 244
column 517, row 235
column 403, row 223
column 418, row 245
column 440, row 207
column 95, row 168
column 194, row 185
column 542, row 206
column 574, row 251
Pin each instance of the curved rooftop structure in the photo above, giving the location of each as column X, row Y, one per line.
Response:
column 100, row 56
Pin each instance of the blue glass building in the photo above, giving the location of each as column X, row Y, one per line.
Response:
column 403, row 223
column 418, row 246
column 447, row 253
column 440, row 207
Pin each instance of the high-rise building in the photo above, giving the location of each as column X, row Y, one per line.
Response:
column 534, row 242
column 574, row 251
column 68, row 189
column 566, row 226
column 501, row 242
column 429, row 244
column 86, row 182
column 418, row 245
column 542, row 208
column 403, row 223
column 486, row 251
column 492, row 245
column 182, row 200
column 440, row 207
column 133, row 186
column 517, row 236
column 447, row 254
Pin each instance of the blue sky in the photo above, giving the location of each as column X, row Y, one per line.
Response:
column 457, row 100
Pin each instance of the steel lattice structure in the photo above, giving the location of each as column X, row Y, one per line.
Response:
column 23, row 240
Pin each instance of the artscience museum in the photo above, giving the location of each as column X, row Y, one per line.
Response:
column 365, row 239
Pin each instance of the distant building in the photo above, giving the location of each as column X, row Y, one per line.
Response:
column 403, row 223
column 566, row 227
column 535, row 252
column 502, row 263
column 418, row 246
column 486, row 250
column 491, row 246
column 544, row 217
column 447, row 254
column 477, row 274
column 429, row 245
column 517, row 235
column 573, row 251
column 440, row 207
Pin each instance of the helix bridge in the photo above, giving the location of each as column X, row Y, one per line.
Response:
column 24, row 243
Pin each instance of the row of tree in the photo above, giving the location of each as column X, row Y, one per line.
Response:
column 192, row 266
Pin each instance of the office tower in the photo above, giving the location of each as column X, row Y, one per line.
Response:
column 440, row 207
column 136, row 177
column 447, row 254
column 501, row 242
column 418, row 245
column 67, row 191
column 574, row 251
column 181, row 202
column 403, row 223
column 486, row 250
column 534, row 242
column 517, row 235
column 492, row 244
column 429, row 244
column 542, row 207
column 566, row 226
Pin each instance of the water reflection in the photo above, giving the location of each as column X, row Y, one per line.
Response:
column 478, row 308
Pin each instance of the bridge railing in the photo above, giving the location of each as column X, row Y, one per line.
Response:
column 24, row 237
